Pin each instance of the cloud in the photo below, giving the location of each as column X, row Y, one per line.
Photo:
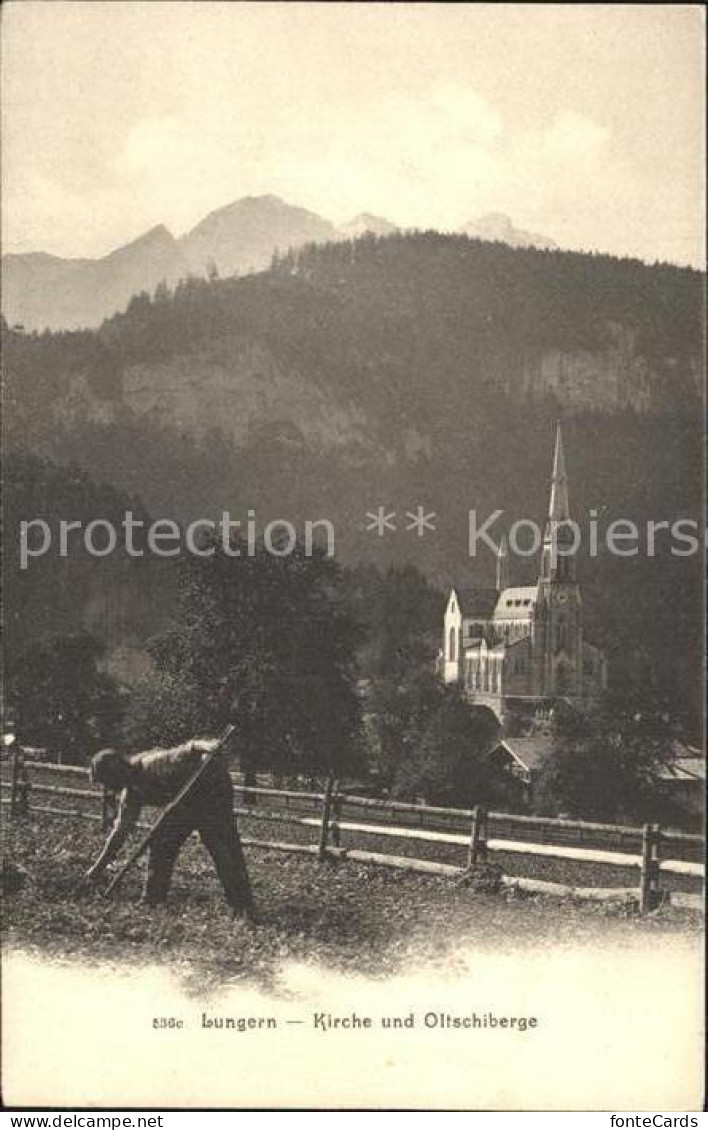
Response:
column 572, row 139
column 435, row 158
column 139, row 114
column 391, row 155
column 414, row 158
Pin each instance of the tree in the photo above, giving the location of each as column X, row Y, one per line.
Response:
column 398, row 711
column 606, row 766
column 448, row 764
column 402, row 611
column 63, row 700
column 264, row 642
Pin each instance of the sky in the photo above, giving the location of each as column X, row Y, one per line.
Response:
column 581, row 122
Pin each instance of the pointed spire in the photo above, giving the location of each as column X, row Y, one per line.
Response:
column 559, row 507
column 502, row 565
column 557, row 565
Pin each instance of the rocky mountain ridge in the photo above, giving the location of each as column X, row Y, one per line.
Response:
column 43, row 291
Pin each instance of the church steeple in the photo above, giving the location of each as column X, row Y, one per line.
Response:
column 556, row 564
column 502, row 565
column 559, row 507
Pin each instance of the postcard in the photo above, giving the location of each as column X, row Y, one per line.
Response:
column 353, row 698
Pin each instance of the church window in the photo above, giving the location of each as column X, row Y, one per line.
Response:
column 452, row 647
column 561, row 634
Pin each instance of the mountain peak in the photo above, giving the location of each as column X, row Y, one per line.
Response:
column 155, row 238
column 497, row 227
column 253, row 208
column 242, row 236
column 367, row 222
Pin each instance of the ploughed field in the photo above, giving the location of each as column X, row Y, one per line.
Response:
column 341, row 913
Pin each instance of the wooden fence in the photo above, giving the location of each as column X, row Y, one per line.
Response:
column 474, row 836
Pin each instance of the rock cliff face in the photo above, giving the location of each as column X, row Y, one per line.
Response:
column 236, row 392
column 237, row 386
column 610, row 379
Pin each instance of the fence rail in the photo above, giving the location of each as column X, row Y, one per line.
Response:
column 330, row 814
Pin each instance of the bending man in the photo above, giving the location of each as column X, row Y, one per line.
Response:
column 155, row 777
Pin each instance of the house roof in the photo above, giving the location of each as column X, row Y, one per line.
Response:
column 476, row 601
column 529, row 752
column 684, row 769
column 680, row 750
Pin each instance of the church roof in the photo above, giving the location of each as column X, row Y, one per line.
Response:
column 516, row 603
column 472, row 646
column 521, row 641
column 476, row 601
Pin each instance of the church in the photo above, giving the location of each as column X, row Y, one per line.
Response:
column 520, row 649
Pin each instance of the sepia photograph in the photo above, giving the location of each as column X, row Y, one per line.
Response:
column 353, row 472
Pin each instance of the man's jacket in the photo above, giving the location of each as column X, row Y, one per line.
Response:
column 159, row 775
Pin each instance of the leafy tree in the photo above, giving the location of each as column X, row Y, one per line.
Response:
column 113, row 598
column 398, row 710
column 267, row 643
column 448, row 764
column 62, row 699
column 402, row 612
column 606, row 766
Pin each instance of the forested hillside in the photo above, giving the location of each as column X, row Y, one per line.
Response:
column 407, row 370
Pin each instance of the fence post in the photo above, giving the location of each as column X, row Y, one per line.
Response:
column 15, row 780
column 473, row 850
column 482, row 840
column 250, row 777
column 324, row 829
column 337, row 815
column 650, row 867
column 23, row 790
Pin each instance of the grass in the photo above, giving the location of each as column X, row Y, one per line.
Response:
column 344, row 915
